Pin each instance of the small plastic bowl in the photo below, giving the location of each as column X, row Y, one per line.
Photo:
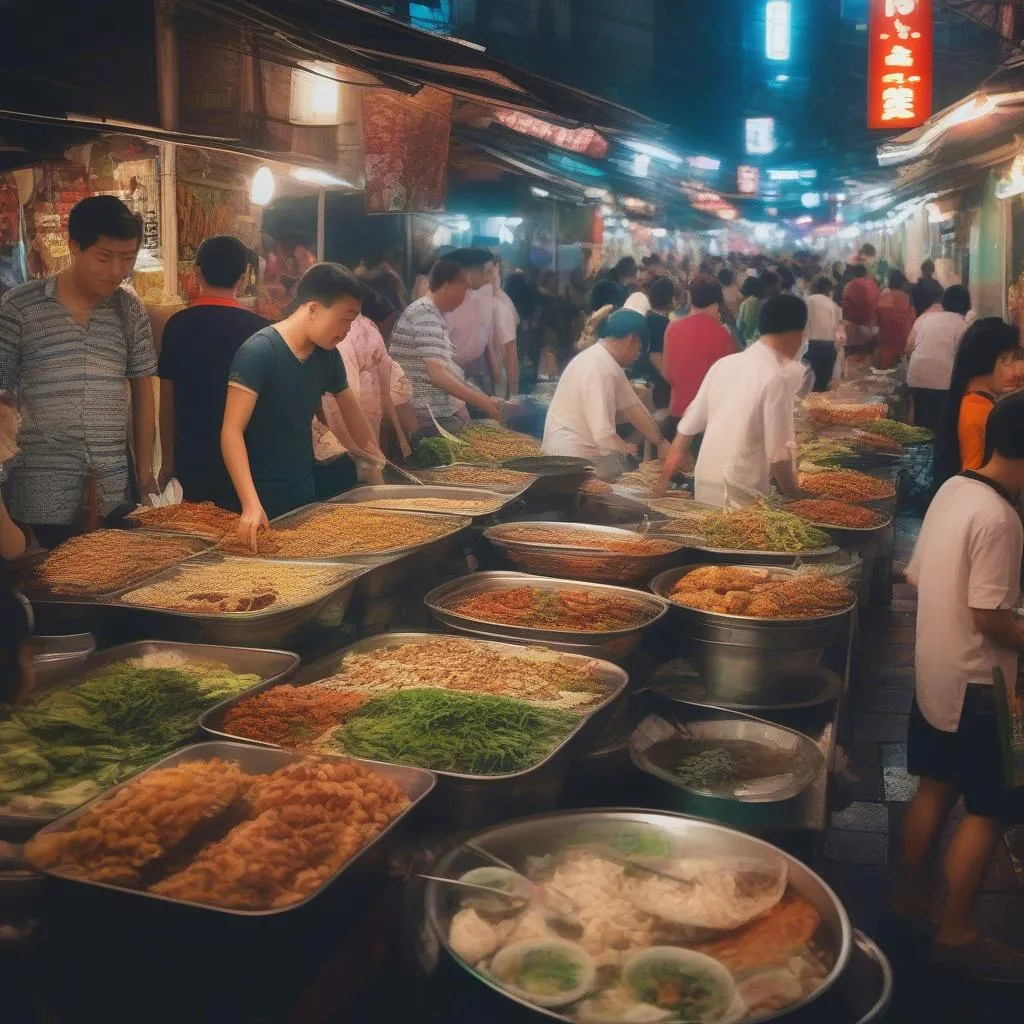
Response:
column 689, row 961
column 506, row 963
column 501, row 881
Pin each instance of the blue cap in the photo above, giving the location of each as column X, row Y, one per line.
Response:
column 624, row 322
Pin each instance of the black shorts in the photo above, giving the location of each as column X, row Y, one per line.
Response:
column 970, row 759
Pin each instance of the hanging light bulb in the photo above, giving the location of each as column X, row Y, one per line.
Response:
column 261, row 191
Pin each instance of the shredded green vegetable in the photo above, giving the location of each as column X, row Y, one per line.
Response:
column 706, row 769
column 759, row 527
column 433, row 451
column 475, row 734
column 117, row 721
column 903, row 433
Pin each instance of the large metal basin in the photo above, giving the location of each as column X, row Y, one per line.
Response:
column 612, row 644
column 740, row 657
column 557, row 476
column 466, row 800
column 415, row 782
column 571, row 561
column 536, row 836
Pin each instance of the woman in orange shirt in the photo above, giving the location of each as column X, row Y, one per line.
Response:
column 982, row 371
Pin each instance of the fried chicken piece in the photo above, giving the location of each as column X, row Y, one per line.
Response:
column 763, row 607
column 722, row 578
column 701, row 600
column 736, row 602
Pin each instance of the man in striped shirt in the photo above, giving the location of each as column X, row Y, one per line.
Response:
column 421, row 345
column 67, row 345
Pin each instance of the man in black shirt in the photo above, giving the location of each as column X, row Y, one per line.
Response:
column 199, row 344
column 662, row 293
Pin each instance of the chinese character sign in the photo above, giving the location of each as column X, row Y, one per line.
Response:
column 899, row 63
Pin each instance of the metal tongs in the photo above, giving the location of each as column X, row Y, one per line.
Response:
column 444, row 433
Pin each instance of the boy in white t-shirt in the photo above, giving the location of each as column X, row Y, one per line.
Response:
column 966, row 567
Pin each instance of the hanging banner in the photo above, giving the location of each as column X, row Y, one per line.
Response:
column 900, row 41
column 405, row 142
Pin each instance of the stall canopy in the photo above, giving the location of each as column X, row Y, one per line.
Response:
column 405, row 59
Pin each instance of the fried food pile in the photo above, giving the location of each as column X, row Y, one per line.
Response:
column 202, row 518
column 571, row 610
column 301, row 823
column 757, row 593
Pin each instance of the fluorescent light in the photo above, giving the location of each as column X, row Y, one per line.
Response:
column 653, row 151
column 314, row 176
column 810, row 200
column 778, row 18
column 760, row 134
column 641, row 165
column 261, row 191
column 540, row 193
column 782, row 78
column 704, row 163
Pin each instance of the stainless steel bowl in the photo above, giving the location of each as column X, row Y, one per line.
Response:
column 415, row 782
column 467, row 800
column 808, row 762
column 618, row 643
column 739, row 656
column 576, row 561
column 536, row 836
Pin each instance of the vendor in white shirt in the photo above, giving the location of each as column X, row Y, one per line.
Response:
column 593, row 396
column 744, row 409
column 471, row 325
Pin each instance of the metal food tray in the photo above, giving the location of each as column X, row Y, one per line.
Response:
column 442, row 542
column 557, row 476
column 381, row 494
column 862, row 531
column 45, row 596
column 614, row 643
column 772, row 789
column 277, row 624
column 599, row 565
column 62, row 649
column 468, row 798
column 516, row 841
column 416, row 783
column 272, row 666
column 434, row 478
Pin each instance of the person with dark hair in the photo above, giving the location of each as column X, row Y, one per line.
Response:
column 624, row 275
column 966, row 568
column 746, row 320
column 421, row 345
column 199, row 345
column 471, row 323
column 662, row 293
column 895, row 317
column 932, row 347
column 823, row 318
column 594, row 395
column 604, row 293
column 744, row 409
column 67, row 345
column 694, row 343
column 732, row 297
column 275, row 387
column 926, row 296
column 982, row 369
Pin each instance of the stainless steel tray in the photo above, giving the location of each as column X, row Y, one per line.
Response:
column 69, row 647
column 379, row 496
column 573, row 561
column 468, row 798
column 272, row 667
column 416, row 783
column 276, row 625
column 858, row 531
column 483, row 582
column 809, row 762
column 435, row 478
column 45, row 596
column 457, row 526
column 516, row 841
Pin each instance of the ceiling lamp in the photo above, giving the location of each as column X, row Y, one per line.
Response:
column 261, row 191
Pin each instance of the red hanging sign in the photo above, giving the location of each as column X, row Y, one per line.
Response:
column 900, row 42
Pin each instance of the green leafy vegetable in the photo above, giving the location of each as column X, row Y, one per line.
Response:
column 547, row 972
column 477, row 734
column 433, row 451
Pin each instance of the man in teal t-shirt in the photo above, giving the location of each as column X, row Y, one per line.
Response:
column 277, row 380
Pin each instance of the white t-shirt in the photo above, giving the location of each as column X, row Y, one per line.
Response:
column 823, row 317
column 590, row 393
column 745, row 410
column 639, row 303
column 967, row 556
column 470, row 325
column 935, row 338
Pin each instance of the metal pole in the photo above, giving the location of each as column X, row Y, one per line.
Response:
column 554, row 221
column 169, row 220
column 321, row 225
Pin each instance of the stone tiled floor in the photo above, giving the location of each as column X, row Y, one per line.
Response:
column 862, row 846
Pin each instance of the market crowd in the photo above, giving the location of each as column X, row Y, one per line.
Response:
column 696, row 362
